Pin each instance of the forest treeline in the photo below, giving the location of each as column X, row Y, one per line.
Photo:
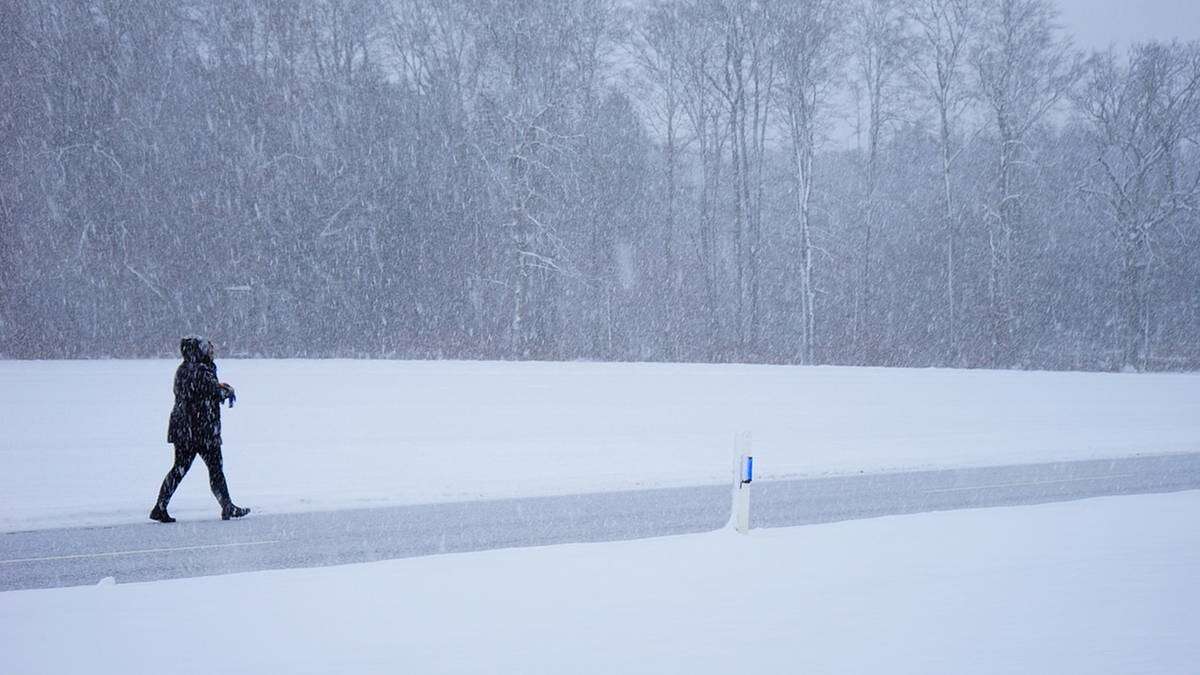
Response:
column 885, row 182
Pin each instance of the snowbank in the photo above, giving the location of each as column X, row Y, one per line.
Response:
column 1109, row 585
column 85, row 441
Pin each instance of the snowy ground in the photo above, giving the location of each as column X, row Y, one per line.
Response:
column 1099, row 586
column 85, row 441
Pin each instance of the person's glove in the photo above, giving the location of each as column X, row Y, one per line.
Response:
column 230, row 395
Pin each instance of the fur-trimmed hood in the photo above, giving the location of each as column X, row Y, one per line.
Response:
column 196, row 349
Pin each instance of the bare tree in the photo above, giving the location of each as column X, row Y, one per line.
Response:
column 807, row 54
column 1024, row 66
column 702, row 107
column 658, row 46
column 878, row 43
column 942, row 28
column 1144, row 119
column 539, row 59
column 744, row 83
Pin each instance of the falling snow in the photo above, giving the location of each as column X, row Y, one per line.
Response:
column 515, row 273
column 935, row 182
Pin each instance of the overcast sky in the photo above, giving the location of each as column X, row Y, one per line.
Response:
column 1098, row 23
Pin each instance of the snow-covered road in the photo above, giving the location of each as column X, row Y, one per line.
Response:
column 84, row 442
column 145, row 552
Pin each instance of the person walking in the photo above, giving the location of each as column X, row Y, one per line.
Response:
column 195, row 427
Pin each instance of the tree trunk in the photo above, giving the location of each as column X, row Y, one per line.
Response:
column 737, row 130
column 802, row 157
column 670, row 286
column 1134, row 324
column 1001, row 260
column 807, row 298
column 954, row 354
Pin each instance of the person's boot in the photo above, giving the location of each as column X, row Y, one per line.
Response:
column 232, row 511
column 160, row 514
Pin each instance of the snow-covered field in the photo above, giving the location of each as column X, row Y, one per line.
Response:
column 1099, row 586
column 84, row 442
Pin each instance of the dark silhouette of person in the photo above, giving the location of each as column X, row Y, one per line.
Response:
column 195, row 427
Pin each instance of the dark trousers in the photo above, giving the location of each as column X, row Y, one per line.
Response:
column 184, row 455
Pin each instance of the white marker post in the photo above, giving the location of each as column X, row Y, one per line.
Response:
column 743, row 475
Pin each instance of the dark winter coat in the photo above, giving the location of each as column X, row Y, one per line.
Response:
column 196, row 417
